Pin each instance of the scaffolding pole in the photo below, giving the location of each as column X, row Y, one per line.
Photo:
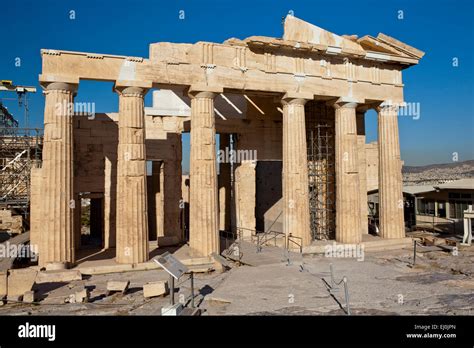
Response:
column 321, row 158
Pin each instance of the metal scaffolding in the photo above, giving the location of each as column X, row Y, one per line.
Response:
column 20, row 150
column 6, row 119
column 321, row 158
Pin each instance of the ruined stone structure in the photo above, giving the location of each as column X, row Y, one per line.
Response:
column 258, row 92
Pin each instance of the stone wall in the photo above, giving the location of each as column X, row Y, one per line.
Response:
column 95, row 172
column 372, row 158
column 10, row 223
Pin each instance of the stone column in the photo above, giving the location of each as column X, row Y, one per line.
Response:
column 77, row 221
column 36, row 208
column 110, row 201
column 234, row 186
column 57, row 237
column 158, row 192
column 362, row 167
column 203, row 204
column 245, row 198
column 295, row 179
column 348, row 210
column 390, row 174
column 224, row 184
column 172, row 193
column 132, row 220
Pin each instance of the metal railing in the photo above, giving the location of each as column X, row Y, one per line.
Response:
column 265, row 237
column 240, row 232
column 260, row 238
column 334, row 287
column 290, row 239
column 274, row 221
column 232, row 238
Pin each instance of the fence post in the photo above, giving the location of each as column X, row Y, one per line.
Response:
column 346, row 291
column 414, row 252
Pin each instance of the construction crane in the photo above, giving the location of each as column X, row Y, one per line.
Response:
column 22, row 94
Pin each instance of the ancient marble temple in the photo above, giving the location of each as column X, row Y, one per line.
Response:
column 261, row 94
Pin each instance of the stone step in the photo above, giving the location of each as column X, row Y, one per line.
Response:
column 248, row 254
column 369, row 246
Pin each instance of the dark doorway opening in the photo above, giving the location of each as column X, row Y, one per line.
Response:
column 92, row 222
column 268, row 210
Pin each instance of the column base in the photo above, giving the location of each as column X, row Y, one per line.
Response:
column 56, row 266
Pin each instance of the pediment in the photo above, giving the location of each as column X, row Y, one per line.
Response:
column 299, row 30
column 370, row 43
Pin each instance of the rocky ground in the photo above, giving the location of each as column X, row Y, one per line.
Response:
column 384, row 283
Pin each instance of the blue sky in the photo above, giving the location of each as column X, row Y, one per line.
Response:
column 443, row 29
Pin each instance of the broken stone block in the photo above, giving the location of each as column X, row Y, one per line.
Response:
column 29, row 296
column 153, row 289
column 70, row 299
column 20, row 281
column 15, row 298
column 220, row 264
column 172, row 310
column 117, row 286
column 59, row 276
column 82, row 296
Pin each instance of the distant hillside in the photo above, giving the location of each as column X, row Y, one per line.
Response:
column 419, row 169
column 437, row 173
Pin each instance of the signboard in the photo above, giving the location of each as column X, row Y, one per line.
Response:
column 171, row 265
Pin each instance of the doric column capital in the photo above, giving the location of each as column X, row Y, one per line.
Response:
column 131, row 91
column 204, row 91
column 344, row 103
column 59, row 86
column 58, row 83
column 132, row 88
column 296, row 98
column 388, row 107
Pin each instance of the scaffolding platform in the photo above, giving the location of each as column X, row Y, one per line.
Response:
column 20, row 150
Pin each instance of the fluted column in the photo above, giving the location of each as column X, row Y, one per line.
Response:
column 203, row 202
column 390, row 174
column 132, row 221
column 110, row 200
column 159, row 197
column 348, row 220
column 57, row 237
column 245, row 197
column 295, row 186
column 360, row 115
column 172, row 190
column 36, row 208
column 224, row 184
